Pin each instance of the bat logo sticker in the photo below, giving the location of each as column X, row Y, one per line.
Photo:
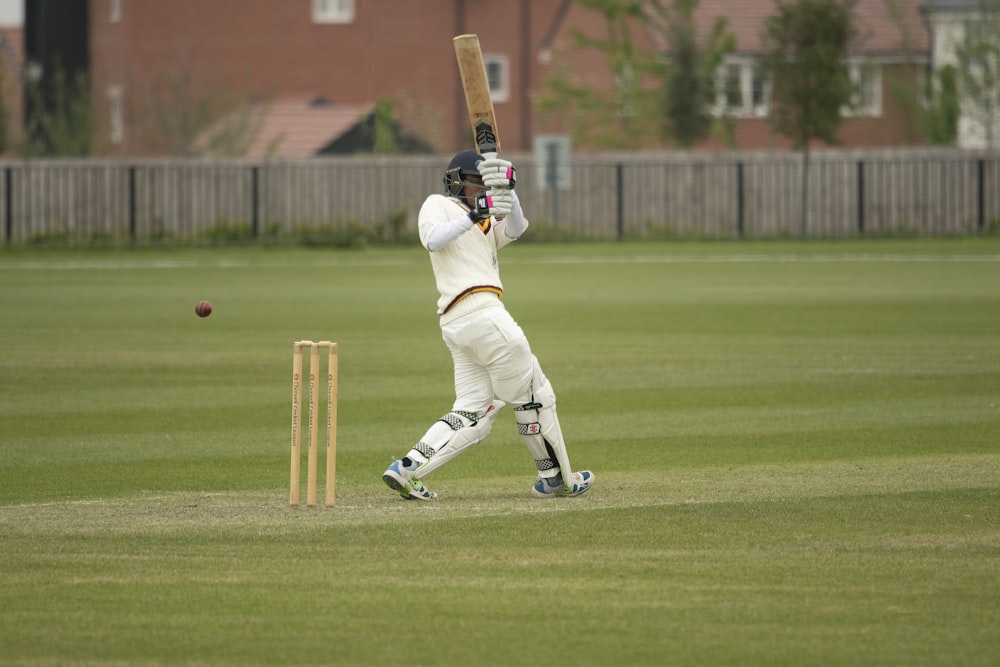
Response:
column 486, row 140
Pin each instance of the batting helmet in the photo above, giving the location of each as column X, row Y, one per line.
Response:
column 463, row 164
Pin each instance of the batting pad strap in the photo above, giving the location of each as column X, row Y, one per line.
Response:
column 424, row 449
column 527, row 419
column 530, row 428
column 545, row 464
column 460, row 419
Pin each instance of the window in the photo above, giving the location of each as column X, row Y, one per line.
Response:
column 116, row 117
column 115, row 11
column 741, row 90
column 498, row 74
column 333, row 11
column 866, row 100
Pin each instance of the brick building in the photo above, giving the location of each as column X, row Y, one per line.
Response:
column 295, row 77
column 11, row 71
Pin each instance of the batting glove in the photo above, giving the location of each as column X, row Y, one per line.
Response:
column 490, row 204
column 498, row 174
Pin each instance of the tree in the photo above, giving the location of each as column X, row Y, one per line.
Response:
column 806, row 45
column 619, row 117
column 179, row 111
column 384, row 121
column 4, row 119
column 943, row 109
column 186, row 110
column 979, row 72
column 688, row 82
column 59, row 122
column 654, row 95
column 929, row 104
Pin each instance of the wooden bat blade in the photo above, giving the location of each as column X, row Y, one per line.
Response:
column 476, row 85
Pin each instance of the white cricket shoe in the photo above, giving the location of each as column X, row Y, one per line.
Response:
column 582, row 481
column 399, row 478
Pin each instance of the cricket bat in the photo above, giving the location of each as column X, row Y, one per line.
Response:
column 477, row 95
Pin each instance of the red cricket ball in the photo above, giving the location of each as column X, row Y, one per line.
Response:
column 203, row 308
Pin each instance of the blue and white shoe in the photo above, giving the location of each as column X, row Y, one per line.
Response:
column 399, row 478
column 582, row 481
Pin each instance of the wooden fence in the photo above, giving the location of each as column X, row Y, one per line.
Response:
column 627, row 196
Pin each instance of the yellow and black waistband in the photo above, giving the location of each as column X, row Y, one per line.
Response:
column 473, row 290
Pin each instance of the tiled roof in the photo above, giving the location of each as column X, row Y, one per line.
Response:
column 884, row 26
column 936, row 6
column 300, row 127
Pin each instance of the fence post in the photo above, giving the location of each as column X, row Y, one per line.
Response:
column 861, row 197
column 981, row 195
column 255, row 200
column 131, row 203
column 551, row 166
column 620, row 190
column 740, row 201
column 8, row 205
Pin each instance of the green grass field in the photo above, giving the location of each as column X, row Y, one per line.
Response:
column 797, row 451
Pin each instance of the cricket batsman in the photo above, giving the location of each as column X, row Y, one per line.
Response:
column 463, row 230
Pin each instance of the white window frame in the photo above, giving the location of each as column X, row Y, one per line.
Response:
column 754, row 91
column 333, row 11
column 867, row 101
column 116, row 114
column 498, row 70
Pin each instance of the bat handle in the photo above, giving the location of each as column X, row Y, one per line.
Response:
column 492, row 155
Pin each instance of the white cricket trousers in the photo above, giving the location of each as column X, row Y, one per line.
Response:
column 492, row 357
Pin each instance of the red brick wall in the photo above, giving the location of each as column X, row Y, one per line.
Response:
column 219, row 53
column 13, row 90
column 230, row 50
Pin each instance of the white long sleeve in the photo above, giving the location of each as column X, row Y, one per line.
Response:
column 444, row 233
column 514, row 224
